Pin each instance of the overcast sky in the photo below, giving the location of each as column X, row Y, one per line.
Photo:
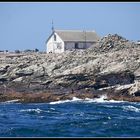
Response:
column 28, row 25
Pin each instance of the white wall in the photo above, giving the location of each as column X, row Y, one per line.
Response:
column 69, row 45
column 81, row 45
column 55, row 46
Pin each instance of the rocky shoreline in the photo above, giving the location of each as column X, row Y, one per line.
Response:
column 50, row 96
column 111, row 67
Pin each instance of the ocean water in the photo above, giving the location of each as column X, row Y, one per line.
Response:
column 76, row 118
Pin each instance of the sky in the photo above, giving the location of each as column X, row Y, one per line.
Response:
column 27, row 25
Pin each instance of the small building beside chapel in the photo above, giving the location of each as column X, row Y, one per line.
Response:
column 62, row 40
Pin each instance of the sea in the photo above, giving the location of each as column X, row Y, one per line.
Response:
column 70, row 118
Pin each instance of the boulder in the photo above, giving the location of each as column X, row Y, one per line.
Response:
column 24, row 72
column 135, row 89
column 3, row 68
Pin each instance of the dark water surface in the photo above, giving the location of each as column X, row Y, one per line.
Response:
column 76, row 118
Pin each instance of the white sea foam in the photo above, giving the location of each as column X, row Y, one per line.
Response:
column 134, row 118
column 131, row 108
column 109, row 118
column 76, row 99
column 37, row 110
column 65, row 101
column 102, row 99
column 60, row 102
column 114, row 101
column 12, row 101
column 52, row 108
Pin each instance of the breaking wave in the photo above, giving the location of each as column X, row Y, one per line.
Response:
column 102, row 99
column 11, row 101
column 37, row 110
column 131, row 108
column 65, row 101
column 41, row 120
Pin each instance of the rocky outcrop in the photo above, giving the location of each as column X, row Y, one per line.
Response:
column 111, row 63
column 135, row 89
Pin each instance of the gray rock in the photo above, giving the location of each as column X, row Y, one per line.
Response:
column 110, row 62
column 24, row 72
column 3, row 68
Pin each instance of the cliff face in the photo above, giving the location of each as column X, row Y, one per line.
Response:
column 113, row 62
